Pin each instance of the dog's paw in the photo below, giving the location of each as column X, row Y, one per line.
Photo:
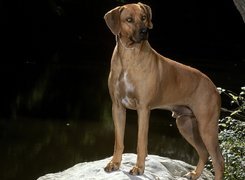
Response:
column 112, row 166
column 135, row 171
column 191, row 175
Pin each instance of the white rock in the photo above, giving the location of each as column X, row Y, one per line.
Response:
column 157, row 168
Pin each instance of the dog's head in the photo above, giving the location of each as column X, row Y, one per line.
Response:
column 130, row 21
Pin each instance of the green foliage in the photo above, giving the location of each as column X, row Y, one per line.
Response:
column 233, row 147
column 237, row 101
column 232, row 135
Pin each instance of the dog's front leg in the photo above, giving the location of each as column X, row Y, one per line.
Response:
column 143, row 126
column 119, row 118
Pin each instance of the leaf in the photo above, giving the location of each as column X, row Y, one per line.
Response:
column 235, row 112
column 223, row 125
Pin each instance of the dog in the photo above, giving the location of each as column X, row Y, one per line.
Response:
column 142, row 80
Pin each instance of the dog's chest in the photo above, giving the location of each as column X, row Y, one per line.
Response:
column 125, row 89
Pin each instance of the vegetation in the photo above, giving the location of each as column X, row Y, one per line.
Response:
column 237, row 101
column 232, row 135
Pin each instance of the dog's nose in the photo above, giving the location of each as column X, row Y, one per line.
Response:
column 143, row 31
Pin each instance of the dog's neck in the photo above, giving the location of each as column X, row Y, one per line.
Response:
column 133, row 54
column 124, row 45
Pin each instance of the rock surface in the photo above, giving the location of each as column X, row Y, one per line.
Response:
column 157, row 168
column 240, row 4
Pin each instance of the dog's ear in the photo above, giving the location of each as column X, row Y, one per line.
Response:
column 148, row 11
column 112, row 19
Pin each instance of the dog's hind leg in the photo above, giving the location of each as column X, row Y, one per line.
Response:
column 209, row 133
column 187, row 126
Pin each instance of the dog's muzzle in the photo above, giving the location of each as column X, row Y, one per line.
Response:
column 140, row 35
column 143, row 34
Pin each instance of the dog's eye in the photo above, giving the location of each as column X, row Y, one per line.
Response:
column 129, row 20
column 143, row 18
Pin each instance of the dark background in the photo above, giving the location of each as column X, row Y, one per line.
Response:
column 55, row 109
column 48, row 44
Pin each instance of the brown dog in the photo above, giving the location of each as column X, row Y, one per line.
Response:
column 141, row 79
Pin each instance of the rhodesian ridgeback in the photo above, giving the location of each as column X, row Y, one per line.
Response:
column 142, row 80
